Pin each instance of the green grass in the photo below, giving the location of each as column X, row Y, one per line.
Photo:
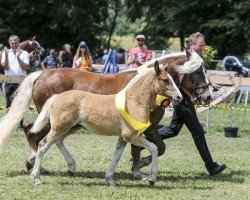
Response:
column 182, row 173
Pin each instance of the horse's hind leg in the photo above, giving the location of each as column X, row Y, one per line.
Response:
column 33, row 140
column 121, row 144
column 68, row 157
column 43, row 147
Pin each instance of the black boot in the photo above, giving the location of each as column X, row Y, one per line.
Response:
column 215, row 168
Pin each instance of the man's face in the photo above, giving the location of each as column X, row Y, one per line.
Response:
column 140, row 42
column 14, row 43
column 198, row 46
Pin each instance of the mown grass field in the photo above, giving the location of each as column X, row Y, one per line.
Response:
column 182, row 172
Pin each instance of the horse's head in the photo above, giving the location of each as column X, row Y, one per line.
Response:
column 195, row 82
column 32, row 46
column 166, row 86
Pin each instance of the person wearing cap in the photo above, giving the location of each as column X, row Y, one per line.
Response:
column 138, row 55
column 51, row 61
column 82, row 59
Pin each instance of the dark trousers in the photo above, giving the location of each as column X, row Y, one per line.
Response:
column 10, row 88
column 184, row 113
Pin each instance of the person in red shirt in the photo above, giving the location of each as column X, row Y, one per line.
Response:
column 138, row 55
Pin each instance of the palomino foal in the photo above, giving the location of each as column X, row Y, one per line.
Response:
column 73, row 107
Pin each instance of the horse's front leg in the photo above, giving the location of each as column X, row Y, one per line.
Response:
column 121, row 144
column 152, row 148
column 153, row 136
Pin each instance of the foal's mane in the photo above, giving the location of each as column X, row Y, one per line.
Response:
column 135, row 79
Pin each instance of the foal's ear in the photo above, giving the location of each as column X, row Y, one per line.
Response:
column 188, row 53
column 157, row 68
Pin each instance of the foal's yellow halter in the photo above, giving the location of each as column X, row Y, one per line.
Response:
column 120, row 100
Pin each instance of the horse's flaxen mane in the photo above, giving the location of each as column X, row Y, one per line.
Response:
column 191, row 65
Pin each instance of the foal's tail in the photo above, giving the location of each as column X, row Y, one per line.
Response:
column 20, row 104
column 43, row 116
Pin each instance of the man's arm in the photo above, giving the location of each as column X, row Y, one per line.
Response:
column 24, row 64
column 5, row 60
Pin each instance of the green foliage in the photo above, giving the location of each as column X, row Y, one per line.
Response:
column 207, row 55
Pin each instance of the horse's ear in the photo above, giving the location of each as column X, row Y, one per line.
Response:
column 188, row 53
column 34, row 38
column 157, row 68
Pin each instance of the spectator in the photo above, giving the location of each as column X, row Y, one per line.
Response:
column 51, row 61
column 82, row 59
column 120, row 56
column 15, row 61
column 66, row 56
column 138, row 55
column 105, row 55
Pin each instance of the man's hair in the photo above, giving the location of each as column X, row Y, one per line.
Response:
column 194, row 37
column 12, row 37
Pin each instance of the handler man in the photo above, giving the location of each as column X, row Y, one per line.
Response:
column 184, row 113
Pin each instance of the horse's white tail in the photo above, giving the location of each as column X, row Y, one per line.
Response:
column 43, row 116
column 20, row 104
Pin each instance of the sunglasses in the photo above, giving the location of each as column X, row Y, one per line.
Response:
column 83, row 47
column 140, row 40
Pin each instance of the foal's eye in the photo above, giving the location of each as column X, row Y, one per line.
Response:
column 166, row 81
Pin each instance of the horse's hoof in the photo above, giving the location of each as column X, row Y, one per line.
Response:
column 28, row 166
column 44, row 171
column 71, row 173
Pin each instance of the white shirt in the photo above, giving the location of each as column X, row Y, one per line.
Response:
column 14, row 67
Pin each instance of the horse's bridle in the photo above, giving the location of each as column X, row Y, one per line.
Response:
column 196, row 87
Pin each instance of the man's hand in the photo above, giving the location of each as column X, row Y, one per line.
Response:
column 18, row 52
column 215, row 86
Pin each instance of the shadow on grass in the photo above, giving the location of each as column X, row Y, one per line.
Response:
column 232, row 177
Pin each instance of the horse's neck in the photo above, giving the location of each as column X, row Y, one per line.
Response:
column 141, row 98
column 24, row 44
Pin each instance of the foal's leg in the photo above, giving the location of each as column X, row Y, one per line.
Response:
column 152, row 148
column 121, row 144
column 68, row 157
column 43, row 147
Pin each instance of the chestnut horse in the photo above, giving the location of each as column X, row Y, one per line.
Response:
column 67, row 109
column 40, row 86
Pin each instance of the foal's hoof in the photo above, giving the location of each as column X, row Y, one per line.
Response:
column 38, row 182
column 110, row 182
column 139, row 176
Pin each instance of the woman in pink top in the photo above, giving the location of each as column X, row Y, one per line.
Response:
column 138, row 55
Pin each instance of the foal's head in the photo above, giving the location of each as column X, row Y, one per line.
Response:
column 165, row 85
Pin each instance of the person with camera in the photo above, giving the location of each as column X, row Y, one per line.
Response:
column 138, row 55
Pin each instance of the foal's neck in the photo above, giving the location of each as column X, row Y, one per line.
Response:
column 141, row 98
